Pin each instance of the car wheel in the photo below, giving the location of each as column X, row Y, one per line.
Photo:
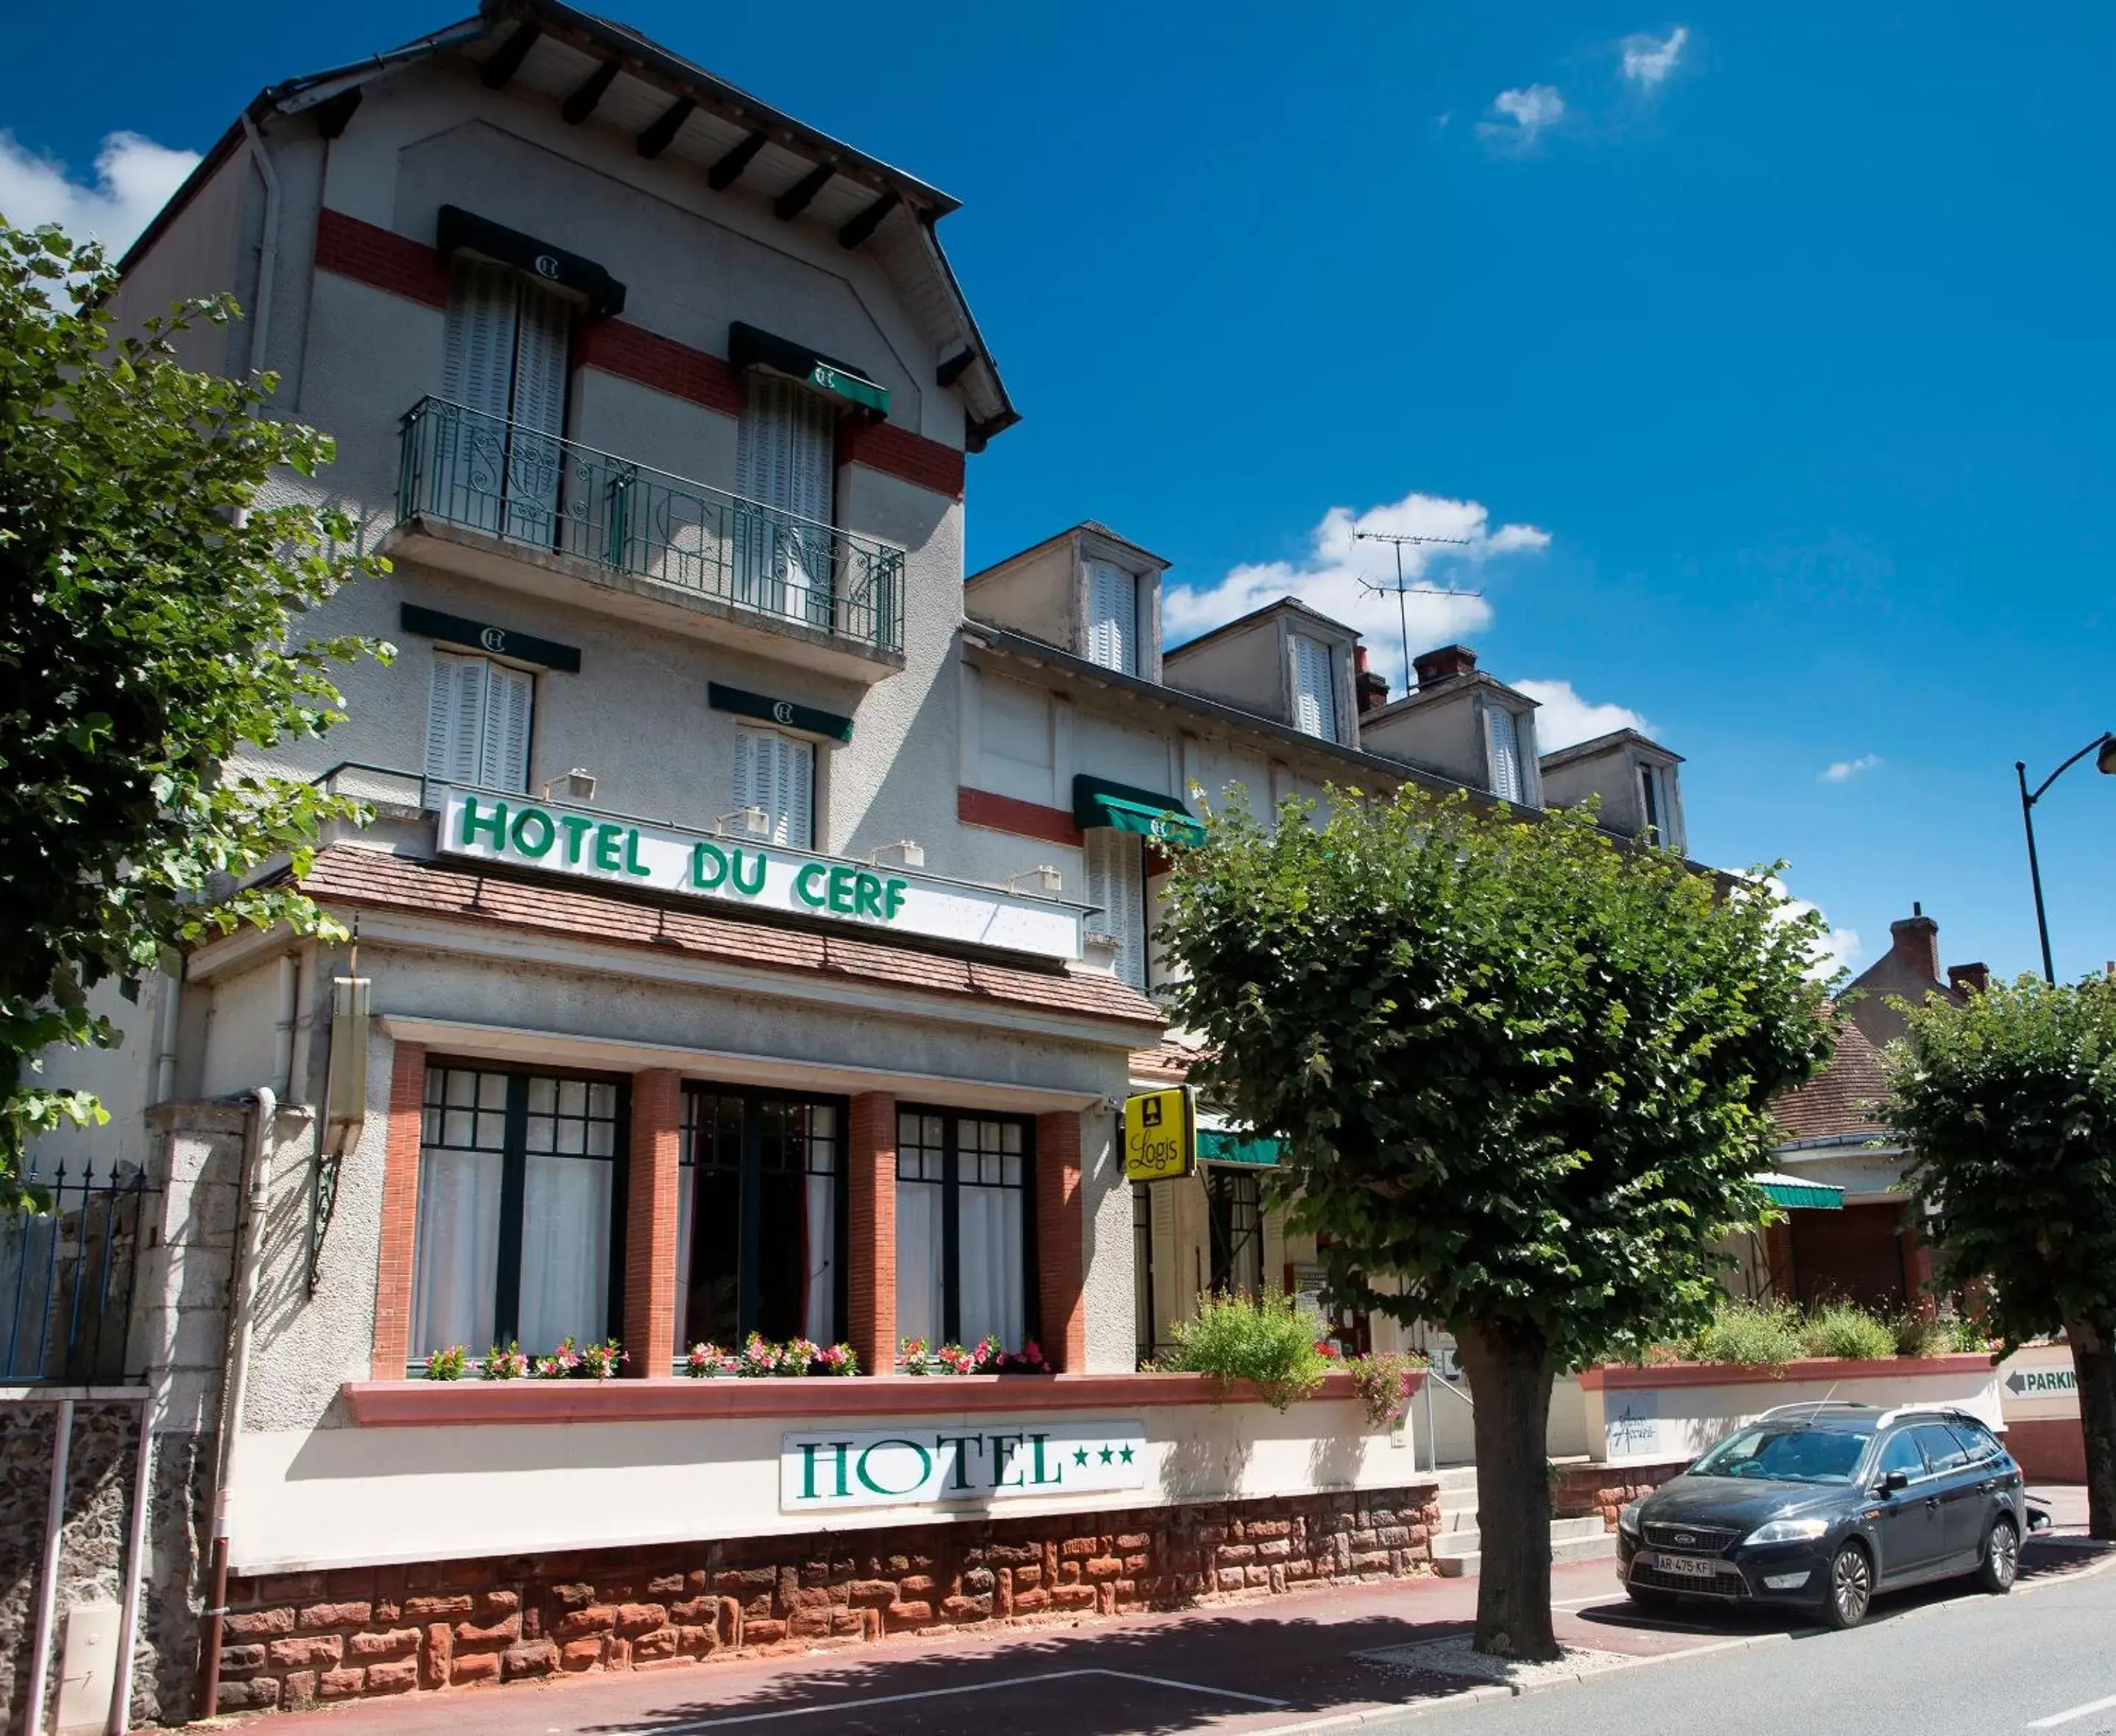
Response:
column 2001, row 1565
column 1850, row 1590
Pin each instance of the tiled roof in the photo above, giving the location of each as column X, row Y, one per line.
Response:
column 1167, row 1059
column 375, row 879
column 1838, row 1099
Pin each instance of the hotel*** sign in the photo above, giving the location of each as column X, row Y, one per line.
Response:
column 831, row 1467
column 736, row 870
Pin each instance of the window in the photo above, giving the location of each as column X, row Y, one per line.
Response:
column 478, row 718
column 1234, row 1203
column 1978, row 1444
column 1901, row 1453
column 1943, row 1451
column 777, row 773
column 1507, row 778
column 1656, row 806
column 961, row 1227
column 519, row 1196
column 1314, row 689
column 1112, row 617
column 504, row 362
column 759, row 1218
column 1116, row 881
column 786, row 458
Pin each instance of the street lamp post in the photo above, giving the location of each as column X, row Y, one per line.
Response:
column 2103, row 747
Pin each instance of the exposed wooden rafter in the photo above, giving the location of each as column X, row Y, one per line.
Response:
column 507, row 58
column 724, row 173
column 658, row 137
column 868, row 221
column 581, row 103
column 794, row 201
column 954, row 367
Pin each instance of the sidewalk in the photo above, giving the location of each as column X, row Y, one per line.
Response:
column 1234, row 1669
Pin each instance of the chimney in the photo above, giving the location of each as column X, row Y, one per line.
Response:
column 1444, row 664
column 1969, row 979
column 1369, row 687
column 1915, row 942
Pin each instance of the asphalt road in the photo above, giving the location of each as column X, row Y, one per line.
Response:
column 2041, row 1659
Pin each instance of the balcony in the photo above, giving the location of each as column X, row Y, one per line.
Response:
column 503, row 502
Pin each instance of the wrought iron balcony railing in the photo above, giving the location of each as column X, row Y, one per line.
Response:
column 460, row 467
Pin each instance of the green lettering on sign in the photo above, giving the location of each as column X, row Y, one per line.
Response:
column 545, row 833
column 892, row 898
column 841, row 890
column 808, row 884
column 607, row 837
column 495, row 823
column 632, row 865
column 576, row 828
column 841, row 1452
column 925, row 1467
column 749, row 884
column 709, row 866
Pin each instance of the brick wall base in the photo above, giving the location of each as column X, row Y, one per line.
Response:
column 1605, row 1491
column 2051, row 1450
column 295, row 1640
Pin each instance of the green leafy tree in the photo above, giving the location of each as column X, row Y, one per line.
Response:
column 148, row 598
column 1522, row 1071
column 2007, row 1105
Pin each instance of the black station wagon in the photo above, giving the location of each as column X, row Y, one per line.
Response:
column 1821, row 1506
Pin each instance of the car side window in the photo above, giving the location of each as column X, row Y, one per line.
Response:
column 1978, row 1443
column 1942, row 1450
column 1901, row 1452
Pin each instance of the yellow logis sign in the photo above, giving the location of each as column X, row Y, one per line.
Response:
column 1161, row 1135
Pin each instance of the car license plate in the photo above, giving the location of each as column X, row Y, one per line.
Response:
column 1687, row 1567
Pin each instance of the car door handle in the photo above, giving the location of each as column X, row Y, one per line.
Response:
column 1932, row 1504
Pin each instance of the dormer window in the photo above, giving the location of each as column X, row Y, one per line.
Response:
column 1314, row 689
column 1509, row 773
column 1112, row 617
column 1658, row 810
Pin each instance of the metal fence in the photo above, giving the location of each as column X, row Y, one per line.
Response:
column 68, row 1273
column 461, row 467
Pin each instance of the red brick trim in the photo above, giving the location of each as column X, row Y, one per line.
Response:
column 898, row 453
column 1008, row 814
column 382, row 258
column 400, row 1213
column 399, row 1404
column 1627, row 1378
column 871, row 1227
column 649, row 1327
column 1060, row 1265
column 630, row 352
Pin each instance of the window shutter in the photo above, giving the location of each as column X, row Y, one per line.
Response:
column 1314, row 693
column 510, row 697
column 797, row 794
column 543, row 326
column 1114, row 871
column 478, row 365
column 745, row 768
column 455, row 719
column 1112, row 617
column 1506, row 753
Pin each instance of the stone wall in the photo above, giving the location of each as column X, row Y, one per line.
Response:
column 1606, row 1490
column 294, row 1640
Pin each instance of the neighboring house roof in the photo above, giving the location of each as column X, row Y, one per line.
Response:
column 1276, row 606
column 1837, row 1101
column 1559, row 756
column 1168, row 1061
column 358, row 876
column 560, row 51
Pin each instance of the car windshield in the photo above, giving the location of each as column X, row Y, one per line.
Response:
column 1784, row 1453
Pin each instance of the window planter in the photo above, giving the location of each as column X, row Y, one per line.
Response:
column 459, row 1404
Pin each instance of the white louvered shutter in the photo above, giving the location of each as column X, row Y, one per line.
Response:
column 777, row 773
column 455, row 719
column 543, row 328
column 1113, row 882
column 478, row 367
column 1506, row 753
column 786, row 457
column 1112, row 617
column 504, row 758
column 1314, row 693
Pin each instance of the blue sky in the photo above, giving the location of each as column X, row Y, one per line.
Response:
column 1765, row 352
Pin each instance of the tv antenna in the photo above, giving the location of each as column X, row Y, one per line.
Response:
column 1402, row 588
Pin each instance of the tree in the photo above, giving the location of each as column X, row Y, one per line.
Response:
column 148, row 599
column 1522, row 1071
column 2007, row 1104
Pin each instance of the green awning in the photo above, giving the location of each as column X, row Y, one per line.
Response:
column 1234, row 1145
column 1792, row 1191
column 749, row 347
column 1098, row 802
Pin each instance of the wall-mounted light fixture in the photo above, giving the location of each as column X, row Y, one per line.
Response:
column 1047, row 878
column 751, row 820
column 577, row 785
column 910, row 853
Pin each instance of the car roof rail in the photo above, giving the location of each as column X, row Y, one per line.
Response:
column 1937, row 1411
column 1816, row 1406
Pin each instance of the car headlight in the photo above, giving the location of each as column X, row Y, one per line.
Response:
column 1627, row 1521
column 1788, row 1531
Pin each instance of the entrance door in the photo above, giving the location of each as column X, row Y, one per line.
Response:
column 505, row 364
column 1908, row 1522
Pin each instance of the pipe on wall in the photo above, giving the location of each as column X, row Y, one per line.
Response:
column 250, row 1242
column 135, row 1568
column 282, row 1026
column 48, row 1580
column 268, row 247
column 166, row 1014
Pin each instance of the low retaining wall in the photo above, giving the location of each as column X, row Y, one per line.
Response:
column 294, row 1640
column 1604, row 1490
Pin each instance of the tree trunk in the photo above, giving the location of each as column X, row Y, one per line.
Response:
column 1510, row 1378
column 2094, row 1362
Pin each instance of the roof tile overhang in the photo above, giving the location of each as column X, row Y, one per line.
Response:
column 359, row 877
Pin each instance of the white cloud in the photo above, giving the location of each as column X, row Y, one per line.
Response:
column 1565, row 718
column 1841, row 771
column 134, row 178
column 1328, row 577
column 1525, row 115
column 1649, row 59
column 1836, row 950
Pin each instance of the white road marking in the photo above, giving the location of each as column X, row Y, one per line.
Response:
column 824, row 1710
column 2055, row 1719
